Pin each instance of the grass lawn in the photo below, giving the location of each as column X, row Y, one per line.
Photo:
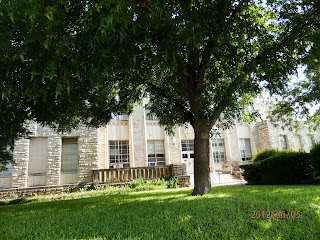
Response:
column 171, row 214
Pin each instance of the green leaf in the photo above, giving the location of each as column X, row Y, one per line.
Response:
column 12, row 17
column 21, row 57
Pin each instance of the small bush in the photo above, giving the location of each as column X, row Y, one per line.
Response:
column 315, row 158
column 136, row 183
column 19, row 201
column 173, row 183
column 157, row 182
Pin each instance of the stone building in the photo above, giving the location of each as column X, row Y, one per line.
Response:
column 49, row 158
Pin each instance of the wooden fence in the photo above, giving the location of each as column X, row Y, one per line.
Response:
column 125, row 175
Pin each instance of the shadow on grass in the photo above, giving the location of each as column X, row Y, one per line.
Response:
column 224, row 214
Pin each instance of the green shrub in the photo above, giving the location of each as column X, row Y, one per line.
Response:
column 157, row 182
column 19, row 201
column 252, row 173
column 173, row 183
column 136, row 183
column 264, row 154
column 315, row 158
column 286, row 167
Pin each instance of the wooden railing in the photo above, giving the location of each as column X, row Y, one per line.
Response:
column 125, row 175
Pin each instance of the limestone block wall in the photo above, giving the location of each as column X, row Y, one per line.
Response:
column 139, row 137
column 275, row 132
column 175, row 145
column 233, row 141
column 103, row 145
column 261, row 136
column 88, row 154
column 54, row 160
column 20, row 166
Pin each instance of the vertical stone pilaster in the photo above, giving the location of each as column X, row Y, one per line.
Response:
column 54, row 160
column 139, row 133
column 234, row 144
column 88, row 153
column 20, row 166
column 131, row 142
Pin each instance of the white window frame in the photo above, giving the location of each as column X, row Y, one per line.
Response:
column 156, row 153
column 119, row 156
column 245, row 149
column 69, row 155
column 187, row 145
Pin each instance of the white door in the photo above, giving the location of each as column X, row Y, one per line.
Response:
column 188, row 159
column 218, row 153
column 217, row 164
column 38, row 161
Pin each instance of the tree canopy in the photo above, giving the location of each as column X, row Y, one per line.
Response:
column 65, row 62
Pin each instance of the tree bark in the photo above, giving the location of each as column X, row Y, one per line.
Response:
column 202, row 181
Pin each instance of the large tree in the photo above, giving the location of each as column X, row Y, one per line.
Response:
column 68, row 61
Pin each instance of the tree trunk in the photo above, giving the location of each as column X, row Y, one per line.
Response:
column 202, row 181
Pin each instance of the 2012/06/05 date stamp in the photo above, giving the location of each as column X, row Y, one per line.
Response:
column 276, row 214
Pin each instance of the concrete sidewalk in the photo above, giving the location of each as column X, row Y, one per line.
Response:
column 221, row 179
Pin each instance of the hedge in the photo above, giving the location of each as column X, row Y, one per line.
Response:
column 315, row 158
column 252, row 173
column 264, row 154
column 282, row 168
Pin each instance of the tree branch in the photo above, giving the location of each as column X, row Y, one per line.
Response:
column 170, row 97
column 262, row 57
column 204, row 61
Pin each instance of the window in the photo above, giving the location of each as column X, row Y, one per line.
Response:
column 156, row 153
column 8, row 166
column 283, row 142
column 118, row 154
column 151, row 116
column 38, row 158
column 38, row 155
column 119, row 116
column 297, row 142
column 69, row 157
column 218, row 150
column 187, row 145
column 245, row 149
column 310, row 140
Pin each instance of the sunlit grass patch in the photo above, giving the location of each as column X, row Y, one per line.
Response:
column 170, row 214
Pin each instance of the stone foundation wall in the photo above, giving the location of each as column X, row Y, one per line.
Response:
column 8, row 194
